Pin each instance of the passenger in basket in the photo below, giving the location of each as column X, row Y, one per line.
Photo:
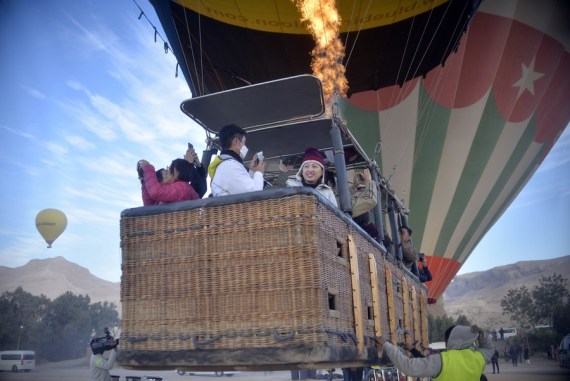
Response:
column 423, row 271
column 227, row 171
column 467, row 354
column 409, row 253
column 198, row 181
column 311, row 174
column 364, row 193
column 174, row 186
column 364, row 197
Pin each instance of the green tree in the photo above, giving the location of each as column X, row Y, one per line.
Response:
column 56, row 330
column 548, row 296
column 561, row 320
column 68, row 326
column 539, row 306
column 462, row 320
column 103, row 315
column 438, row 325
column 20, row 314
column 518, row 304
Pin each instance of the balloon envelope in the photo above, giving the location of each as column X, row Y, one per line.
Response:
column 51, row 223
column 465, row 98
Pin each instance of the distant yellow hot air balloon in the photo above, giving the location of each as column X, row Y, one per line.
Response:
column 51, row 223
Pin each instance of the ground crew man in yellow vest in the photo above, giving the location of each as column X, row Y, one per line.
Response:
column 468, row 351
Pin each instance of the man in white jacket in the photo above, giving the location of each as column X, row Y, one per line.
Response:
column 227, row 171
column 468, row 351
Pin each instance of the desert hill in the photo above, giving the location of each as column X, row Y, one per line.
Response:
column 55, row 276
column 478, row 295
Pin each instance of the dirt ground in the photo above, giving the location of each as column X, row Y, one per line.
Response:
column 540, row 369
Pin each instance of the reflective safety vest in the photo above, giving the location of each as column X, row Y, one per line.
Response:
column 464, row 364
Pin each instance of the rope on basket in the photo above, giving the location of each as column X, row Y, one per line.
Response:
column 277, row 335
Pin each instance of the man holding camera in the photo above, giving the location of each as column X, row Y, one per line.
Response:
column 99, row 366
column 423, row 272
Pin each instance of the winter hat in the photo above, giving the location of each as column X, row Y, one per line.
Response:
column 312, row 155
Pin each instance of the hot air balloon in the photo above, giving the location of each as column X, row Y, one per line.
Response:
column 452, row 104
column 51, row 223
column 457, row 102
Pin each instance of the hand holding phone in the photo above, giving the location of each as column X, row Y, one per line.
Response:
column 260, row 155
column 191, row 155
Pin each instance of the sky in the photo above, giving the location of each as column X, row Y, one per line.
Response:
column 87, row 92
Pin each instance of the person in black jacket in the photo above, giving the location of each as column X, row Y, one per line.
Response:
column 198, row 181
column 423, row 272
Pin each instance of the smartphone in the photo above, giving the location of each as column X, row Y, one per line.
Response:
column 190, row 146
column 260, row 155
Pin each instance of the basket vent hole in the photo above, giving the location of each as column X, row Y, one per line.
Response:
column 341, row 248
column 332, row 301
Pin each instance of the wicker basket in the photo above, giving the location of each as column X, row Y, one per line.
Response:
column 252, row 282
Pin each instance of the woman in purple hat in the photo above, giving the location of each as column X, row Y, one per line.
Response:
column 311, row 174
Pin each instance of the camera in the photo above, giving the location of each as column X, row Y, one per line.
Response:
column 421, row 256
column 104, row 343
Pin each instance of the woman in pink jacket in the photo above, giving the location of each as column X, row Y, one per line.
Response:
column 174, row 186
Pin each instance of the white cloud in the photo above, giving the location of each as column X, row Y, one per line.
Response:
column 93, row 217
column 559, row 155
column 48, row 163
column 89, row 39
column 125, row 107
column 55, row 148
column 79, row 142
column 87, row 118
column 33, row 171
column 75, row 85
column 22, row 248
column 19, row 133
column 35, row 93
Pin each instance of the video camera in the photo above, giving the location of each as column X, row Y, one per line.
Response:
column 104, row 343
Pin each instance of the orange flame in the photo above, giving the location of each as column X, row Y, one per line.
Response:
column 324, row 22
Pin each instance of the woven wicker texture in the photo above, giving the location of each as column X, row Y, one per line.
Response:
column 263, row 274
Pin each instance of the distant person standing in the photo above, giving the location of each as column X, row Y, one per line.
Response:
column 513, row 354
column 526, row 354
column 549, row 352
column 495, row 361
column 502, row 333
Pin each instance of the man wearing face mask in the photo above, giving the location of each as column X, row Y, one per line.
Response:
column 227, row 171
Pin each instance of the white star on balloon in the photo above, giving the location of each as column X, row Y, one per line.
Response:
column 526, row 82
